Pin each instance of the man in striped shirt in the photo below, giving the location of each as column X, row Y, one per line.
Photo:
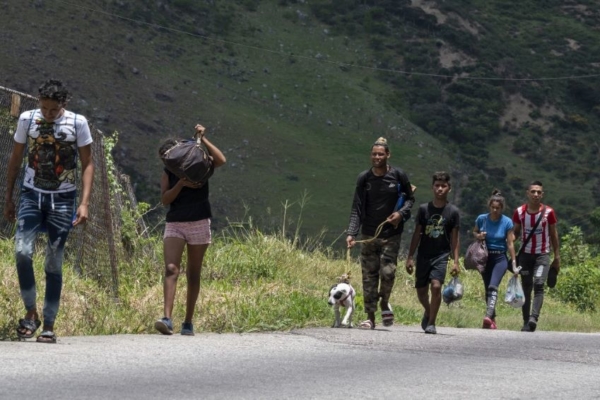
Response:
column 534, row 259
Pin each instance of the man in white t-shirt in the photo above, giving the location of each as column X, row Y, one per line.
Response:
column 52, row 138
column 534, row 258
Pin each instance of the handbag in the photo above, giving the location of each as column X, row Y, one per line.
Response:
column 477, row 255
column 187, row 159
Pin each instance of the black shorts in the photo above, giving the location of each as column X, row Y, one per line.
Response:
column 431, row 268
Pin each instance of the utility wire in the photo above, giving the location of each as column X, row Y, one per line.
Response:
column 336, row 63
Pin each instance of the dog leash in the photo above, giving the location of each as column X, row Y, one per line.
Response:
column 377, row 233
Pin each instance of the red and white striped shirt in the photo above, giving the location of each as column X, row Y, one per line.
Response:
column 540, row 241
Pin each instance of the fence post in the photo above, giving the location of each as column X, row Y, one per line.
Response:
column 112, row 249
column 15, row 105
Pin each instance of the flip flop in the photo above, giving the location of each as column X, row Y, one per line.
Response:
column 367, row 324
column 28, row 325
column 387, row 318
column 46, row 337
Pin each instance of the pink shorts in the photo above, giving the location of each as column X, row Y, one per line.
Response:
column 195, row 232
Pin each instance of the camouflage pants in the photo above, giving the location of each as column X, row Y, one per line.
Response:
column 378, row 260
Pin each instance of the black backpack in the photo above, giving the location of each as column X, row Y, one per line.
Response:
column 189, row 160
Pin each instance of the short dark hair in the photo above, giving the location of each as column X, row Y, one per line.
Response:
column 166, row 145
column 535, row 183
column 54, row 90
column 496, row 196
column 441, row 176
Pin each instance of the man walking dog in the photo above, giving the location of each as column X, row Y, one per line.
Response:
column 378, row 195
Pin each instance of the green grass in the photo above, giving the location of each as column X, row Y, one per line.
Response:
column 251, row 282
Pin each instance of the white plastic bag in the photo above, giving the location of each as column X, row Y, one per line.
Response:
column 514, row 293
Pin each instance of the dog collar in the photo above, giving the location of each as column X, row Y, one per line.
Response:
column 348, row 295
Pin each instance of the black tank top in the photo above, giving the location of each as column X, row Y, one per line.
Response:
column 190, row 205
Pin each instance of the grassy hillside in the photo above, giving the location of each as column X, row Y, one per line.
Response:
column 295, row 93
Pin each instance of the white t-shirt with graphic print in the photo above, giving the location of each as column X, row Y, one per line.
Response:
column 52, row 149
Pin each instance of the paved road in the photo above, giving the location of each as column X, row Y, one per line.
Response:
column 400, row 362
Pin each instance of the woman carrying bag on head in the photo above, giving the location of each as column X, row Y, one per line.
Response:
column 498, row 232
column 187, row 226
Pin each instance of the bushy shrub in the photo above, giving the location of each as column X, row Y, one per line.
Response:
column 580, row 285
column 579, row 281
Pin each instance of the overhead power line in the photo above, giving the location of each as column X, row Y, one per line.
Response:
column 336, row 63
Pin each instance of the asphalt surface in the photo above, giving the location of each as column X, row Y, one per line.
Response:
column 391, row 363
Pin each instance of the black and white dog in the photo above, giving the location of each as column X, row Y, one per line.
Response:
column 342, row 294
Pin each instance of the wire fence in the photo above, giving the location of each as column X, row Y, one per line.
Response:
column 94, row 249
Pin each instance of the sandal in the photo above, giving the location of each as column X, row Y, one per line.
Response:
column 367, row 324
column 387, row 318
column 30, row 325
column 46, row 337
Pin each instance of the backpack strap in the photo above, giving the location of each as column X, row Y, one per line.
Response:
column 76, row 155
column 400, row 175
column 26, row 155
column 401, row 195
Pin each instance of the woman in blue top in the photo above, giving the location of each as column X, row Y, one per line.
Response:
column 497, row 231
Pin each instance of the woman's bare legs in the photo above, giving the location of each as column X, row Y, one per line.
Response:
column 195, row 255
column 173, row 251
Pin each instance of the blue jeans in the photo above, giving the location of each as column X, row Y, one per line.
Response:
column 52, row 212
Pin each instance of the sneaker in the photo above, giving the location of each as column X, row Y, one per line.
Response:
column 532, row 323
column 525, row 328
column 164, row 326
column 187, row 329
column 487, row 323
column 430, row 329
column 424, row 321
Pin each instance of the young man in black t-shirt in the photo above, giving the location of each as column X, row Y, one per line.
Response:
column 376, row 203
column 436, row 234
